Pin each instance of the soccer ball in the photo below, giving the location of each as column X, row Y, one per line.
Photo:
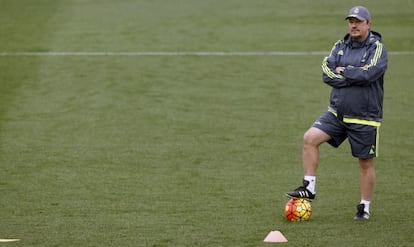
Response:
column 298, row 209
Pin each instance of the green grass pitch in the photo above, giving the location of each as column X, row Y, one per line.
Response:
column 189, row 150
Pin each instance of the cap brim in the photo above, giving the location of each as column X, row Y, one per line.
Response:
column 355, row 16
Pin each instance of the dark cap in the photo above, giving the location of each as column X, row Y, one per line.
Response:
column 359, row 12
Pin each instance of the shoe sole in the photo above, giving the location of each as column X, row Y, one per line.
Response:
column 365, row 217
column 293, row 197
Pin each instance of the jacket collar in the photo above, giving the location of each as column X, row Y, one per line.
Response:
column 372, row 38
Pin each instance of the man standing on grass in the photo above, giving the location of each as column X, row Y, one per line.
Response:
column 355, row 70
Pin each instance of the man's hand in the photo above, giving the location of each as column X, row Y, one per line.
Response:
column 339, row 70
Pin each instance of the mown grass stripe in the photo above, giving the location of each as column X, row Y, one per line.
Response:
column 180, row 53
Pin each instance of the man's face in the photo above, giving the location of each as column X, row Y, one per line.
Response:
column 358, row 29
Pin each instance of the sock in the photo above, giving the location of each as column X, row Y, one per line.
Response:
column 312, row 183
column 366, row 203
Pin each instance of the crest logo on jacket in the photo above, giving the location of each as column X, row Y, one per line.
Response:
column 364, row 58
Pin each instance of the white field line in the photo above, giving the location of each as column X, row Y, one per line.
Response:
column 176, row 53
column 5, row 240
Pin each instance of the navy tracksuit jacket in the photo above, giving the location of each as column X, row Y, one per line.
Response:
column 359, row 91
